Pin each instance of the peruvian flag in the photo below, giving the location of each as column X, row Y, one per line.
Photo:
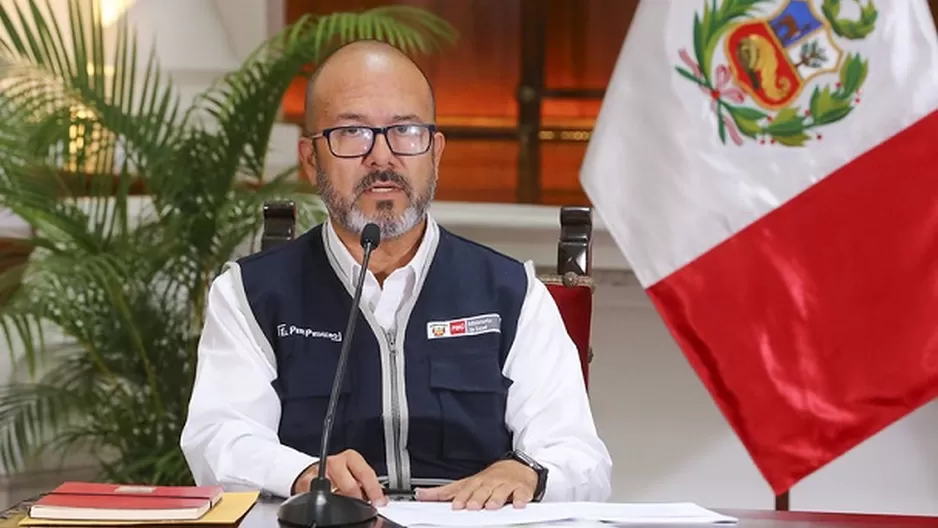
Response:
column 769, row 168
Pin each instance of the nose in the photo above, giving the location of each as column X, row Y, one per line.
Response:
column 380, row 155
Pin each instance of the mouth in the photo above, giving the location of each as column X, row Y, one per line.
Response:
column 383, row 188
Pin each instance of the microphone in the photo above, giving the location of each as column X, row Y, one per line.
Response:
column 320, row 506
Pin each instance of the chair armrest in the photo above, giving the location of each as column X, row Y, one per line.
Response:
column 571, row 285
column 574, row 248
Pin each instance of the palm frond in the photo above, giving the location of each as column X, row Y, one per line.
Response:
column 81, row 125
column 32, row 414
column 79, row 114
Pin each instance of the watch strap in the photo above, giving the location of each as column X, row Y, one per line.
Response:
column 541, row 471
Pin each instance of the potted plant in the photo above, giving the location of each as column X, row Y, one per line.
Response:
column 106, row 312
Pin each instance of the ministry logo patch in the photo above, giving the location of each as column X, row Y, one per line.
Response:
column 467, row 326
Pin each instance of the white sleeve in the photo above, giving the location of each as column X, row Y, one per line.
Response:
column 548, row 409
column 230, row 435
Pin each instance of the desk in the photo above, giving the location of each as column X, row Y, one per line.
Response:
column 264, row 515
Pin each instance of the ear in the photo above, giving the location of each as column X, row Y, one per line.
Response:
column 307, row 154
column 439, row 143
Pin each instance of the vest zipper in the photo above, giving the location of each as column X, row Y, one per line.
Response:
column 395, row 477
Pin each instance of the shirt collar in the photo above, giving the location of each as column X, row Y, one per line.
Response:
column 347, row 263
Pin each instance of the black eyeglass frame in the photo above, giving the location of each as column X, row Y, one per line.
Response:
column 375, row 132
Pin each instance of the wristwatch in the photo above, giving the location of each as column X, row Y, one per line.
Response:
column 522, row 457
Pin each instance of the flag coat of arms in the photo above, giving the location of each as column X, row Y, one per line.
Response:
column 769, row 168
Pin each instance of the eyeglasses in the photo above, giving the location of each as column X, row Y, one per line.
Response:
column 355, row 141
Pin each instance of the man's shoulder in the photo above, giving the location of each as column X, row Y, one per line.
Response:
column 278, row 270
column 286, row 251
column 477, row 249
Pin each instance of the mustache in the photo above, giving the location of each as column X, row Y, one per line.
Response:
column 383, row 176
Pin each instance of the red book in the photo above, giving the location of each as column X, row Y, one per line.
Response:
column 89, row 501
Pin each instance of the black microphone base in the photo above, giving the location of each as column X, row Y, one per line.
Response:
column 320, row 507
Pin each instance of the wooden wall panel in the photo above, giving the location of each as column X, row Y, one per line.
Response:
column 475, row 79
column 583, row 43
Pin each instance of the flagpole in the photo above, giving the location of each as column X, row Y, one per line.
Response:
column 782, row 502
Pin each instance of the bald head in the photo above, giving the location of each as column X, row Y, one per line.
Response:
column 366, row 66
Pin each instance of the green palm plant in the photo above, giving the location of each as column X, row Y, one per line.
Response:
column 124, row 286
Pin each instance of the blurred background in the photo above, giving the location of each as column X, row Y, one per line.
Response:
column 516, row 95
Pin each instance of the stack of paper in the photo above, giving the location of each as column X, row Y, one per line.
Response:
column 443, row 515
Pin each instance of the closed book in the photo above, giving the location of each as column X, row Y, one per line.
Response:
column 118, row 502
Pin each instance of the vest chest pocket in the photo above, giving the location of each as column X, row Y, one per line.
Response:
column 304, row 386
column 472, row 393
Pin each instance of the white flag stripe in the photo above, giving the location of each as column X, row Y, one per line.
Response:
column 660, row 178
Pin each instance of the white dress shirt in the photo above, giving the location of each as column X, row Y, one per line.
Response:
column 230, row 436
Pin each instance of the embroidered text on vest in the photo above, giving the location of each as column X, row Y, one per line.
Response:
column 285, row 331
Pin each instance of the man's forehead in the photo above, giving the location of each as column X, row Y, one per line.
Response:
column 371, row 84
column 372, row 104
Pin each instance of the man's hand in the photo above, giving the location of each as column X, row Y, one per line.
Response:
column 350, row 475
column 492, row 488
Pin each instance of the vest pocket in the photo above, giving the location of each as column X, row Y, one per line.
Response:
column 304, row 398
column 472, row 392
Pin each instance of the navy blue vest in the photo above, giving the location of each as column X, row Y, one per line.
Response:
column 426, row 402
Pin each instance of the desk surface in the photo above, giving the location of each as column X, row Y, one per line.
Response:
column 264, row 515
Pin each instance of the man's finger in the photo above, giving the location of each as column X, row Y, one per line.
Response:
column 367, row 479
column 342, row 478
column 461, row 499
column 439, row 493
column 480, row 496
column 522, row 496
column 499, row 496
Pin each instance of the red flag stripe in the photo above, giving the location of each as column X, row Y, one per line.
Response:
column 817, row 326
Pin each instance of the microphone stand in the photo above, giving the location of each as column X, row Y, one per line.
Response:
column 320, row 506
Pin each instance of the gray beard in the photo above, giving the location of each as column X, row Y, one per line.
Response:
column 352, row 218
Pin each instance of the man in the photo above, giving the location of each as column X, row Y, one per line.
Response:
column 461, row 383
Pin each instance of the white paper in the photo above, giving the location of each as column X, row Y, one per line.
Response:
column 409, row 513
